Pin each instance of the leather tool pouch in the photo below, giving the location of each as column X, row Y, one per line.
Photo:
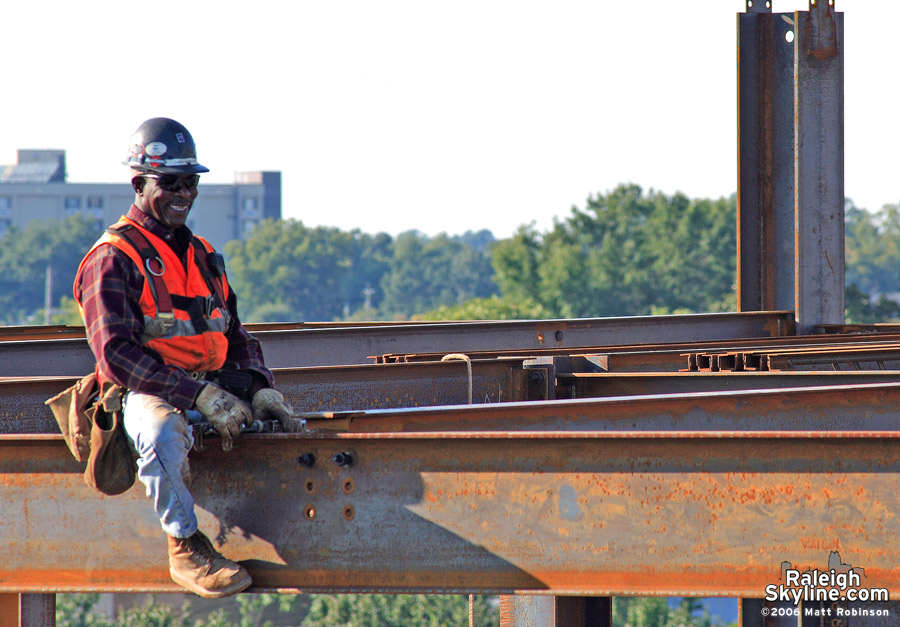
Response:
column 90, row 420
column 70, row 408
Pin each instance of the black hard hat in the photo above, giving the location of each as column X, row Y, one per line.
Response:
column 163, row 146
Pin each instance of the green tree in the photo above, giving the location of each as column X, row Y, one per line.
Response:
column 79, row 610
column 491, row 308
column 515, row 262
column 862, row 308
column 378, row 610
column 309, row 274
column 425, row 273
column 626, row 253
column 655, row 612
column 25, row 255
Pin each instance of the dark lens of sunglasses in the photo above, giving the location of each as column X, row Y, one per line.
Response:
column 173, row 182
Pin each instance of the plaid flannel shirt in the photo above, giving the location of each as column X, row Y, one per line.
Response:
column 110, row 291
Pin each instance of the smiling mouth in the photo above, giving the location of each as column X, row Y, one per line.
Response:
column 180, row 208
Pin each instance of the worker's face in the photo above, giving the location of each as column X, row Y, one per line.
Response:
column 169, row 197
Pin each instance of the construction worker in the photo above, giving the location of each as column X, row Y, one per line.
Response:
column 162, row 322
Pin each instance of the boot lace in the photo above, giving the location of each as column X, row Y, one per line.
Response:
column 201, row 546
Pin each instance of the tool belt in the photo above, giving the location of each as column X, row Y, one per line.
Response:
column 238, row 382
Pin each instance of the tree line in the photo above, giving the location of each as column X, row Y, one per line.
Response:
column 626, row 252
column 371, row 610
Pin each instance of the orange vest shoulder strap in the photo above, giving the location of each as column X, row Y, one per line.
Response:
column 153, row 265
column 212, row 267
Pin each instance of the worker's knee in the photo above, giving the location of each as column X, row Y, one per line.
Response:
column 152, row 422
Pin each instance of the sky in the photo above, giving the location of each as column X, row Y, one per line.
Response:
column 391, row 115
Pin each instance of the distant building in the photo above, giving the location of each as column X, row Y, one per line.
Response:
column 35, row 188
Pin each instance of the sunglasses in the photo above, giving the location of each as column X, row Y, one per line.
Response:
column 174, row 182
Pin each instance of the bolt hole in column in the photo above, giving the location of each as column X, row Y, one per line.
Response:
column 789, row 36
column 310, row 485
column 750, row 4
column 348, row 512
column 347, row 486
column 309, row 512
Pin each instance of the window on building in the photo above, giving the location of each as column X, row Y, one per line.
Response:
column 249, row 225
column 250, row 207
column 4, row 225
column 72, row 205
column 5, row 205
column 95, row 206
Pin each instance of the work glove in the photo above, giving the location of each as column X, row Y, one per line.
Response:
column 269, row 403
column 224, row 411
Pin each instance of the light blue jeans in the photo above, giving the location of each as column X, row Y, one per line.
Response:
column 161, row 435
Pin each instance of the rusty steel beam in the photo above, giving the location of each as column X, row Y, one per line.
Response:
column 630, row 384
column 808, row 406
column 555, row 611
column 878, row 327
column 819, row 166
column 27, row 610
column 328, row 389
column 880, row 358
column 380, row 397
column 811, row 358
column 765, row 242
column 580, row 513
column 864, row 407
column 676, row 356
column 357, row 345
column 58, row 331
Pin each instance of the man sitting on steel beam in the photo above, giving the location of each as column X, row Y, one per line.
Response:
column 162, row 322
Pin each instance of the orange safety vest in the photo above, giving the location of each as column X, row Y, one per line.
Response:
column 186, row 320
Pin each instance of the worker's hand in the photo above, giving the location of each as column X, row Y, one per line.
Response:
column 269, row 403
column 224, row 411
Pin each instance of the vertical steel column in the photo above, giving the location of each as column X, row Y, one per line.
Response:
column 555, row 611
column 819, row 165
column 765, row 202
column 27, row 610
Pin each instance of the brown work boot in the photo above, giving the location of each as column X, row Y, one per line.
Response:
column 196, row 565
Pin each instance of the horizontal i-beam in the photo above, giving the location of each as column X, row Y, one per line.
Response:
column 870, row 406
column 810, row 405
column 583, row 513
column 325, row 389
column 357, row 345
column 630, row 384
column 863, row 408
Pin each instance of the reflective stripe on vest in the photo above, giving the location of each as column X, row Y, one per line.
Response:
column 193, row 336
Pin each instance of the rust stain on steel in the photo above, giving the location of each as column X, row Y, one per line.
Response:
column 821, row 31
column 579, row 513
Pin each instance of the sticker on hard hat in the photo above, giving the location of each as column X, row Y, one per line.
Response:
column 137, row 149
column 179, row 137
column 156, row 148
